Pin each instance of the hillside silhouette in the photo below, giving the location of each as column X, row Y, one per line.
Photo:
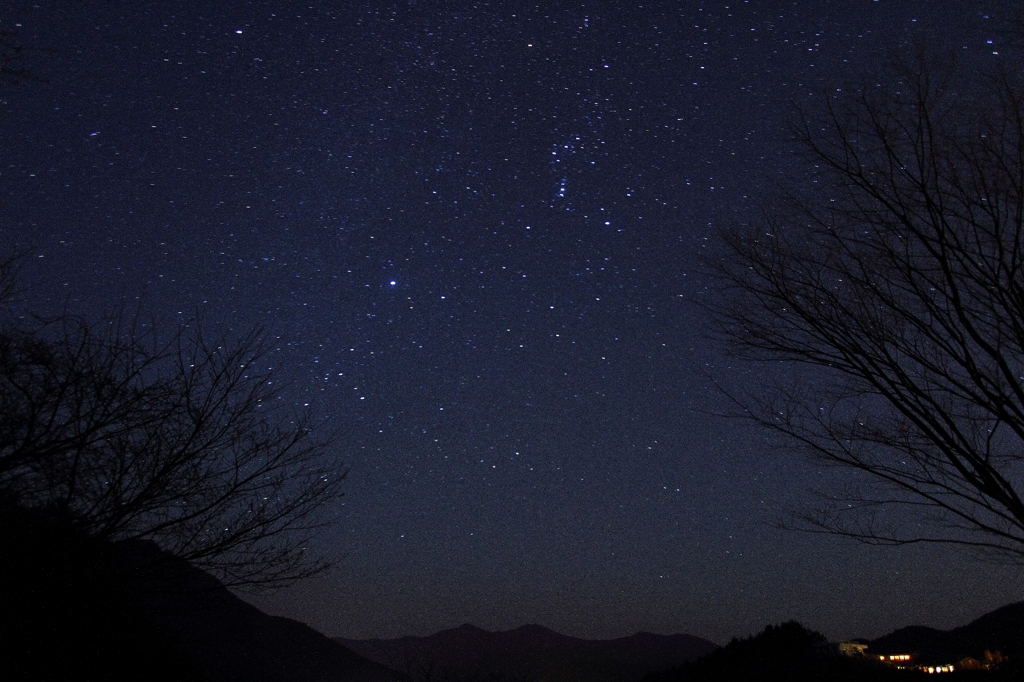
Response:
column 780, row 653
column 81, row 609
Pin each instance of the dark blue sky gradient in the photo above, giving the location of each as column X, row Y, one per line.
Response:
column 475, row 229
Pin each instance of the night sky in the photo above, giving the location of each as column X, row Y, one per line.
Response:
column 474, row 231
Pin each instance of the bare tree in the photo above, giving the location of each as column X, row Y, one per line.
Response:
column 179, row 441
column 886, row 296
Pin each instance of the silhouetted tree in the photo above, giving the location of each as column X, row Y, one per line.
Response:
column 780, row 653
column 177, row 440
column 887, row 298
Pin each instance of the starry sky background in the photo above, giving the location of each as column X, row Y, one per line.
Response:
column 474, row 230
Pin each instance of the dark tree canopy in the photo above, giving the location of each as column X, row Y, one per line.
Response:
column 887, row 297
column 787, row 652
column 178, row 439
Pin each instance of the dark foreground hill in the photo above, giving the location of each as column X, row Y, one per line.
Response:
column 529, row 654
column 78, row 609
column 232, row 640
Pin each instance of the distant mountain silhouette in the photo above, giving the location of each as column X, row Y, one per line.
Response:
column 81, row 609
column 530, row 653
column 1002, row 630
